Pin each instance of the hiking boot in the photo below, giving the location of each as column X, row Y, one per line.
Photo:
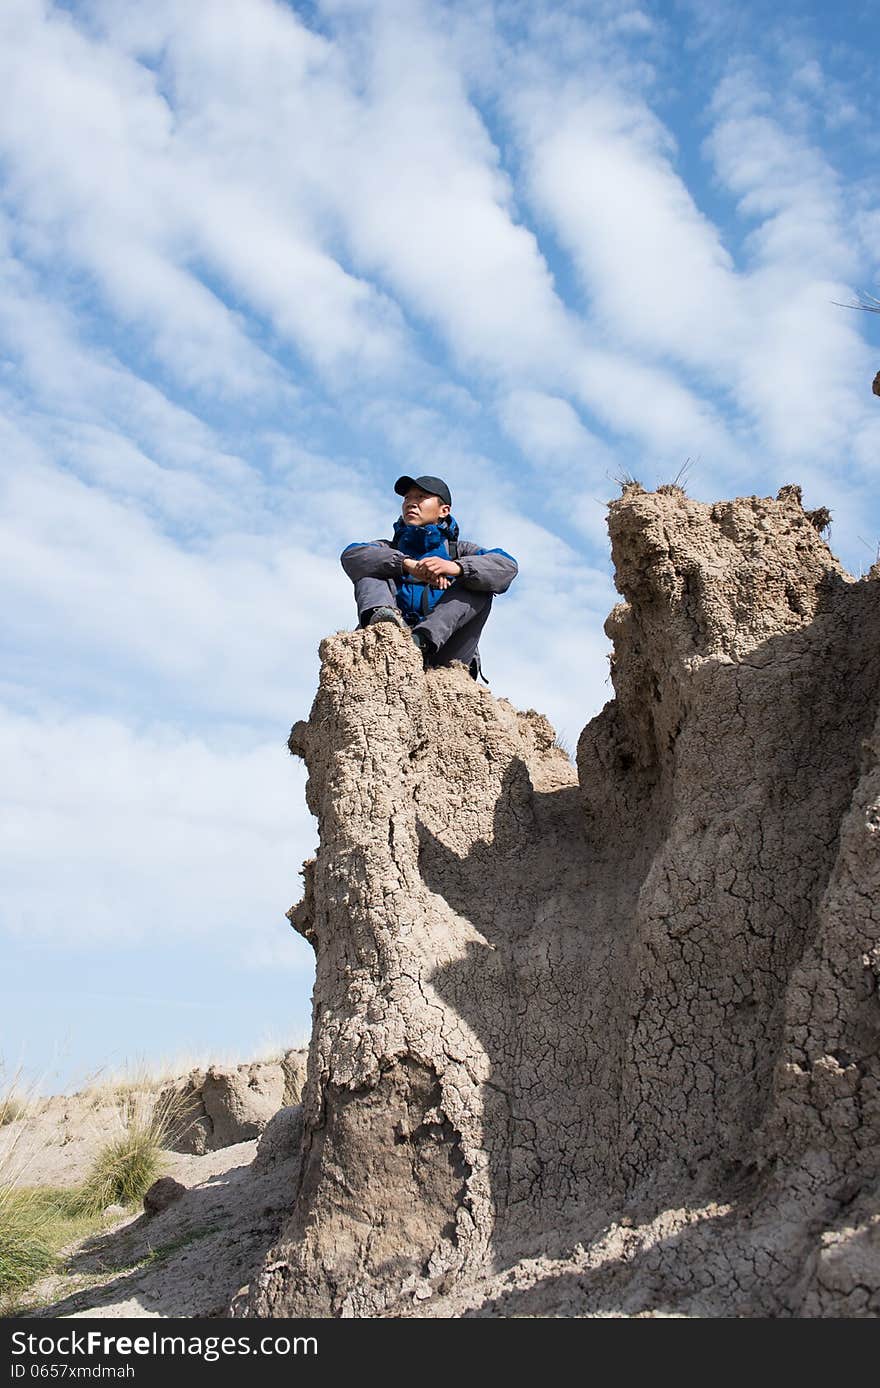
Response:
column 384, row 614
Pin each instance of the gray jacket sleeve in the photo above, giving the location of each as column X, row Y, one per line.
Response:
column 372, row 559
column 486, row 570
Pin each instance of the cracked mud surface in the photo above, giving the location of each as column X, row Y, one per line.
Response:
column 603, row 1041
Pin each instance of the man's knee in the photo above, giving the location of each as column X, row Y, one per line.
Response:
column 370, row 593
column 458, row 606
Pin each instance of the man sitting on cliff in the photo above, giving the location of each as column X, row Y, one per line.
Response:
column 440, row 586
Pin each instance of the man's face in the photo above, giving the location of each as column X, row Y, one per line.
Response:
column 423, row 508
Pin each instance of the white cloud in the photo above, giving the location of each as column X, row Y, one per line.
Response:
column 549, row 621
column 655, row 271
column 102, row 172
column 659, row 280
column 799, row 371
column 807, row 377
column 112, row 833
column 783, row 183
column 62, row 382
column 224, row 627
column 548, row 427
column 529, row 640
column 576, row 468
column 664, row 416
column 429, row 209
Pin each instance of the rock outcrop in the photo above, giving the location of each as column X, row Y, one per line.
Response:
column 162, row 1195
column 55, row 1140
column 603, row 1041
column 224, row 1105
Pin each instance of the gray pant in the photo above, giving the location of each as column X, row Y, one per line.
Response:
column 454, row 626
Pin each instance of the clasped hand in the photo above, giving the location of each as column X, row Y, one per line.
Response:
column 435, row 571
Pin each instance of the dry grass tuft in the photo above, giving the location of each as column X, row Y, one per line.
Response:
column 562, row 745
column 129, row 1163
column 25, row 1253
column 13, row 1105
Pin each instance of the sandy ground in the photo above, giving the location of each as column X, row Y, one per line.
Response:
column 193, row 1258
column 55, row 1143
column 190, row 1260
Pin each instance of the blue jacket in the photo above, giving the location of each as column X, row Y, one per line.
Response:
column 484, row 570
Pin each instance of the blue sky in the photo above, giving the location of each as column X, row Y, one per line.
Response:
column 257, row 260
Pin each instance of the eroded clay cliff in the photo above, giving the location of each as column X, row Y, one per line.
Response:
column 603, row 1041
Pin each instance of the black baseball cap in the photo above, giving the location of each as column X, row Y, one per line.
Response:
column 435, row 486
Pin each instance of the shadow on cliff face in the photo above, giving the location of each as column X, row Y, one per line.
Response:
column 790, row 1255
column 641, row 931
column 692, row 1262
column 542, row 995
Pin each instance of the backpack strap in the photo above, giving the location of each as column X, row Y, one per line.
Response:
column 475, row 669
